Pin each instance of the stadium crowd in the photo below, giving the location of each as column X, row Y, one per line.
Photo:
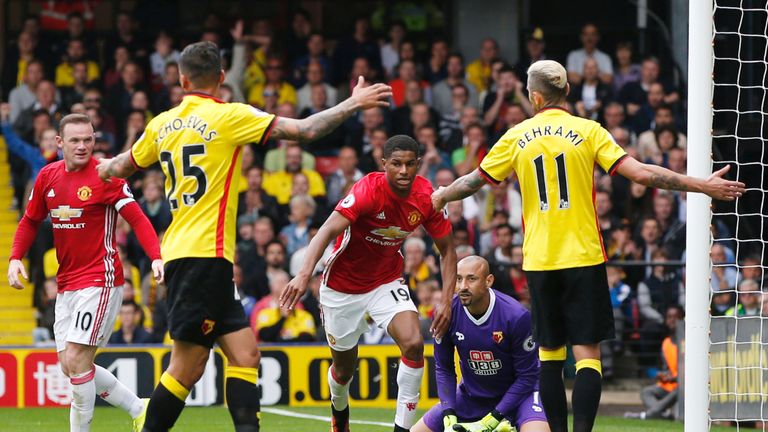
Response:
column 456, row 105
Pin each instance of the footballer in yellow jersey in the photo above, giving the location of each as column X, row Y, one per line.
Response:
column 199, row 146
column 554, row 155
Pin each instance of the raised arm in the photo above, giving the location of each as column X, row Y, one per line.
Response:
column 121, row 166
column 320, row 124
column 659, row 177
column 461, row 188
column 448, row 269
column 335, row 225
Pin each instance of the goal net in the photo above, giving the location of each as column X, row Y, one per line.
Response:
column 730, row 268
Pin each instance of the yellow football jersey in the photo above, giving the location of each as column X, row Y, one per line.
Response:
column 554, row 156
column 199, row 147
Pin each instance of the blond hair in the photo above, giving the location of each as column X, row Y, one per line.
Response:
column 550, row 79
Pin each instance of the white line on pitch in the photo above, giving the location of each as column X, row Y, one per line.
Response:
column 287, row 413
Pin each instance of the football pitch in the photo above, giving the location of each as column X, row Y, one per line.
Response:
column 216, row 419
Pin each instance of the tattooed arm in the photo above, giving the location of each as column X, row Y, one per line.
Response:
column 659, row 177
column 320, row 124
column 120, row 166
column 461, row 188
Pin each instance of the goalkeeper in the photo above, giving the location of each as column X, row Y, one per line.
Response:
column 498, row 358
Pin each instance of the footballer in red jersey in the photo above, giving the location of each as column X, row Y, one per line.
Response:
column 83, row 211
column 363, row 276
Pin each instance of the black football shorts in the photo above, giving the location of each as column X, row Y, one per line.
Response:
column 571, row 306
column 201, row 300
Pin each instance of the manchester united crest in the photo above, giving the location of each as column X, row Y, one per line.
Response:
column 498, row 336
column 84, row 193
column 414, row 218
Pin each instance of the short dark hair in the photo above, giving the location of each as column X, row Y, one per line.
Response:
column 131, row 303
column 277, row 242
column 505, row 226
column 400, row 143
column 200, row 62
column 73, row 119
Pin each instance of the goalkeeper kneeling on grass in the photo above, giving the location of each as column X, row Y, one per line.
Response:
column 499, row 389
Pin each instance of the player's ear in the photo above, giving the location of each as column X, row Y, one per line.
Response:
column 222, row 75
column 489, row 280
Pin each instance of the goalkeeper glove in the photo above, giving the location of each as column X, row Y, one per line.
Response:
column 449, row 419
column 485, row 424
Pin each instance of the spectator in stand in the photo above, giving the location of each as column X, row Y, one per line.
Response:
column 315, row 54
column 75, row 53
column 360, row 138
column 426, row 308
column 371, row 160
column 433, row 159
column 406, row 72
column 751, row 268
column 390, row 51
column 24, row 95
column 47, row 308
column 275, row 159
column 360, row 67
column 421, row 115
column 298, row 257
column 436, row 68
column 120, row 57
column 279, row 183
column 17, row 57
column 748, row 299
column 643, row 118
column 254, row 201
column 502, row 252
column 318, row 100
column 672, row 228
column 626, row 72
column 134, row 128
column 649, row 240
column 613, row 116
column 296, row 234
column 251, row 258
column 263, row 38
column 515, row 115
column 130, row 332
column 73, row 94
column 45, row 95
column 605, row 217
column 273, row 83
column 451, row 121
column 442, row 92
column 639, row 203
column 347, row 174
column 315, row 76
column 125, row 36
column 661, row 397
column 153, row 202
column 418, row 266
column 76, row 29
column 360, row 44
column 271, row 323
column 724, row 274
column 661, row 289
column 469, row 156
column 590, row 37
column 621, row 299
column 36, row 157
column 295, row 40
column 275, row 258
column 534, row 51
column 666, row 139
column 163, row 54
column 647, row 145
column 509, row 91
column 401, row 116
column 119, row 95
column 479, row 71
column 620, row 246
column 592, row 94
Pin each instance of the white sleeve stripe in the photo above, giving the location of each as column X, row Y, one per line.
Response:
column 122, row 203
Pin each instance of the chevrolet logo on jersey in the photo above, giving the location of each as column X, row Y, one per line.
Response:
column 391, row 233
column 65, row 213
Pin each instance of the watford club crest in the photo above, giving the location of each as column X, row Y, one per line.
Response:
column 498, row 337
column 207, row 326
column 84, row 193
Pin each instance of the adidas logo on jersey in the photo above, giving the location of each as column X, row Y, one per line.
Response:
column 381, row 216
column 51, row 194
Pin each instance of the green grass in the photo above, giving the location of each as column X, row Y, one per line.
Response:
column 216, row 419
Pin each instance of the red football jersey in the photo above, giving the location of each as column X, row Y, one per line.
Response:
column 83, row 212
column 367, row 254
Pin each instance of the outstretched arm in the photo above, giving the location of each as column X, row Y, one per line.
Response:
column 659, row 177
column 461, row 188
column 121, row 166
column 448, row 269
column 320, row 124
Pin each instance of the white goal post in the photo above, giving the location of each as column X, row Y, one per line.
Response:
column 699, row 216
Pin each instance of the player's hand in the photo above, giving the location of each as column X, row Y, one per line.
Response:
column 438, row 202
column 102, row 167
column 293, row 292
column 16, row 268
column 237, row 31
column 449, row 419
column 721, row 189
column 486, row 424
column 441, row 320
column 158, row 271
column 5, row 111
column 377, row 95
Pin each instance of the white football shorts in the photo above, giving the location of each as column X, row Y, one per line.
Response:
column 86, row 316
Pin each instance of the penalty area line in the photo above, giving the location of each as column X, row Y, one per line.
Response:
column 287, row 413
